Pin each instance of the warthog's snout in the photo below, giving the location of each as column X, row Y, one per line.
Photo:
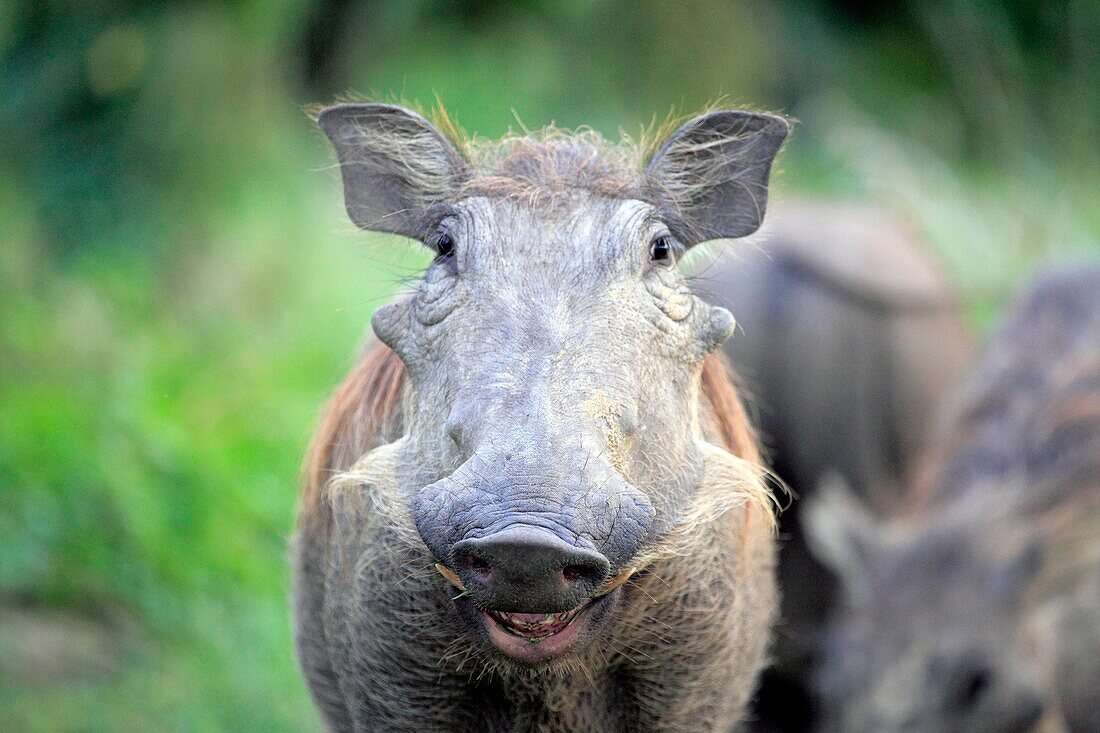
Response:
column 528, row 570
column 532, row 543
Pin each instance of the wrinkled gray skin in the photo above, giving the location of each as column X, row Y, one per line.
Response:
column 981, row 612
column 850, row 338
column 553, row 393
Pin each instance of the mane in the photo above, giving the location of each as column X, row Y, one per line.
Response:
column 1028, row 421
column 361, row 413
column 554, row 162
column 352, row 422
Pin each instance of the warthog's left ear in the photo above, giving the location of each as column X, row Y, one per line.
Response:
column 1019, row 568
column 712, row 173
column 394, row 164
column 842, row 534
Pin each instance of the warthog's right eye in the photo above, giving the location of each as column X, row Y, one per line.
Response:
column 443, row 244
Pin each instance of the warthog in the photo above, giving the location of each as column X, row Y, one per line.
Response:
column 849, row 339
column 539, row 507
column 981, row 610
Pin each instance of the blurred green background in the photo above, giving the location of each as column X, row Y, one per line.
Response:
column 179, row 287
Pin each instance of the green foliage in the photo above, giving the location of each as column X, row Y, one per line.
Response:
column 180, row 289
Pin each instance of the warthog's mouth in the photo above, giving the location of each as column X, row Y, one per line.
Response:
column 537, row 637
column 534, row 627
column 540, row 637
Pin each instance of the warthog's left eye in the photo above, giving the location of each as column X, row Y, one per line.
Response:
column 663, row 249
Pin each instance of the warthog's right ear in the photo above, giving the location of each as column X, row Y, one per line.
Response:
column 842, row 534
column 394, row 163
column 712, row 173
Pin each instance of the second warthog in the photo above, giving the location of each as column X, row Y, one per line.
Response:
column 979, row 611
column 543, row 509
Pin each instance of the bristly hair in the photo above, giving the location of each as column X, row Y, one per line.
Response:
column 352, row 422
column 555, row 162
column 1043, row 357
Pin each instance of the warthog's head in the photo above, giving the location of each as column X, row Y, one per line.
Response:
column 932, row 636
column 553, row 348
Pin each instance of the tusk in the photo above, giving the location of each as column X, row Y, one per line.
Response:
column 450, row 576
column 616, row 581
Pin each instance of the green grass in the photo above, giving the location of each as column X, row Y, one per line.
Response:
column 159, row 384
column 154, row 417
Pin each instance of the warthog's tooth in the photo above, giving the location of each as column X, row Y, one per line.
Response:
column 534, row 625
column 450, row 576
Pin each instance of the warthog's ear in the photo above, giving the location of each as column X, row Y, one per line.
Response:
column 712, row 173
column 1019, row 568
column 394, row 164
column 842, row 534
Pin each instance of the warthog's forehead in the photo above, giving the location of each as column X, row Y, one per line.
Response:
column 567, row 237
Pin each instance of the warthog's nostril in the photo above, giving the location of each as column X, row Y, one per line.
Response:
column 572, row 573
column 475, row 563
column 589, row 574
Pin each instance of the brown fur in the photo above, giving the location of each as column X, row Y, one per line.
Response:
column 351, row 420
column 727, row 411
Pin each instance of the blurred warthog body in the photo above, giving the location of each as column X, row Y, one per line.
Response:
column 980, row 611
column 538, row 506
column 849, row 338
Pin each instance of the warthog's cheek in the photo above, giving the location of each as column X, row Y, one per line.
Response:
column 670, row 293
column 695, row 327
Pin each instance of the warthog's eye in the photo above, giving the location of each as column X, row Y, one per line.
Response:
column 970, row 686
column 662, row 250
column 443, row 244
